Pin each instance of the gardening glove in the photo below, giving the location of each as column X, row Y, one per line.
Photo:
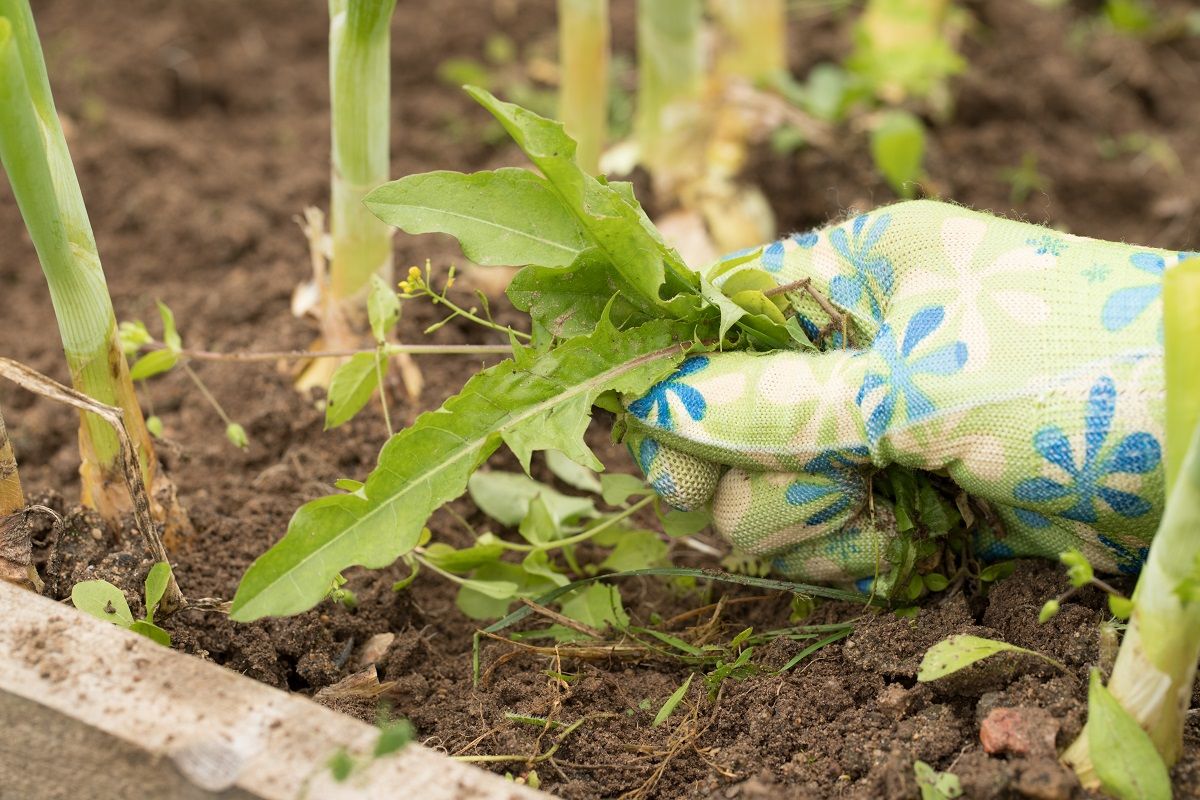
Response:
column 1022, row 363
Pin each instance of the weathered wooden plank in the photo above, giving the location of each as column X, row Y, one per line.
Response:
column 90, row 710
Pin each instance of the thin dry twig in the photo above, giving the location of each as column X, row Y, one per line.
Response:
column 34, row 381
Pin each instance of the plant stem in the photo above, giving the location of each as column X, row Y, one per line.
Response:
column 670, row 135
column 35, row 156
column 1155, row 668
column 755, row 38
column 359, row 91
column 391, row 349
column 1181, row 323
column 439, row 299
column 12, row 499
column 583, row 55
column 582, row 536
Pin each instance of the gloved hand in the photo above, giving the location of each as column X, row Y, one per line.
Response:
column 1023, row 363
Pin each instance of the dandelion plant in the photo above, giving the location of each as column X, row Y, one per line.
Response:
column 583, row 46
column 34, row 153
column 1156, row 666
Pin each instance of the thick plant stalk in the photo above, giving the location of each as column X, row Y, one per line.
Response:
column 670, row 115
column 1156, row 665
column 35, row 156
column 583, row 55
column 359, row 93
column 754, row 34
column 16, row 548
column 11, row 497
column 1181, row 322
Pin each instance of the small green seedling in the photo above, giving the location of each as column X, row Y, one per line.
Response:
column 1025, row 179
column 1081, row 573
column 936, row 785
column 898, row 149
column 104, row 601
column 668, row 708
column 961, row 651
column 393, row 737
column 163, row 356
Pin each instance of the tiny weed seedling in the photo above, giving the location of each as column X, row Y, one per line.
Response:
column 936, row 785
column 104, row 601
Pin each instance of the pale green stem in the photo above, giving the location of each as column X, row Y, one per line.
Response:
column 35, row 156
column 1181, row 322
column 12, row 499
column 1156, row 665
column 583, row 56
column 754, row 38
column 582, row 536
column 670, row 90
column 359, row 94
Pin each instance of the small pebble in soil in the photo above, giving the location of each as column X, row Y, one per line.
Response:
column 1019, row 731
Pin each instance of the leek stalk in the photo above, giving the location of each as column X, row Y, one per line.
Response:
column 360, row 91
column 669, row 123
column 755, row 38
column 1156, row 665
column 583, row 55
column 34, row 153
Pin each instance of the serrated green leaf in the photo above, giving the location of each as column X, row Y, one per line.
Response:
column 616, row 488
column 634, row 550
column 1125, row 758
column 583, row 478
column 156, row 585
column 506, row 217
column 614, row 226
column 383, row 308
column 153, row 363
column 960, row 651
column 102, row 600
column 673, row 701
column 569, row 301
column 350, row 389
column 543, row 402
column 151, row 632
column 505, row 497
column 898, row 148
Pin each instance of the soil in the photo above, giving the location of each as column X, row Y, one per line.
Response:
column 199, row 132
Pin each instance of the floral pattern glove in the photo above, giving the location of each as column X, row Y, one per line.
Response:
column 1023, row 363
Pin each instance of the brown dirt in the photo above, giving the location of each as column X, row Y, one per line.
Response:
column 198, row 131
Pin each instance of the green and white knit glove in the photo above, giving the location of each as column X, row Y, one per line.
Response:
column 1023, row 363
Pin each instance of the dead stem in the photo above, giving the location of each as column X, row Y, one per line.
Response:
column 33, row 381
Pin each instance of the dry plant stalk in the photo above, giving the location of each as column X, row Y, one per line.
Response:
column 33, row 381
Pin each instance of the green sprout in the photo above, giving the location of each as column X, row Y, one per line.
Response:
column 104, row 601
column 34, row 153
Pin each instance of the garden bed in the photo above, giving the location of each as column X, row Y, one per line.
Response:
column 200, row 130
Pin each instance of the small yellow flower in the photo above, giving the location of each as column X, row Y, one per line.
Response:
column 404, row 287
column 414, row 273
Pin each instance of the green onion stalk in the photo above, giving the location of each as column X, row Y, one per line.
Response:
column 754, row 34
column 1156, row 666
column 359, row 94
column 669, row 124
column 34, row 153
column 583, row 55
column 902, row 48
